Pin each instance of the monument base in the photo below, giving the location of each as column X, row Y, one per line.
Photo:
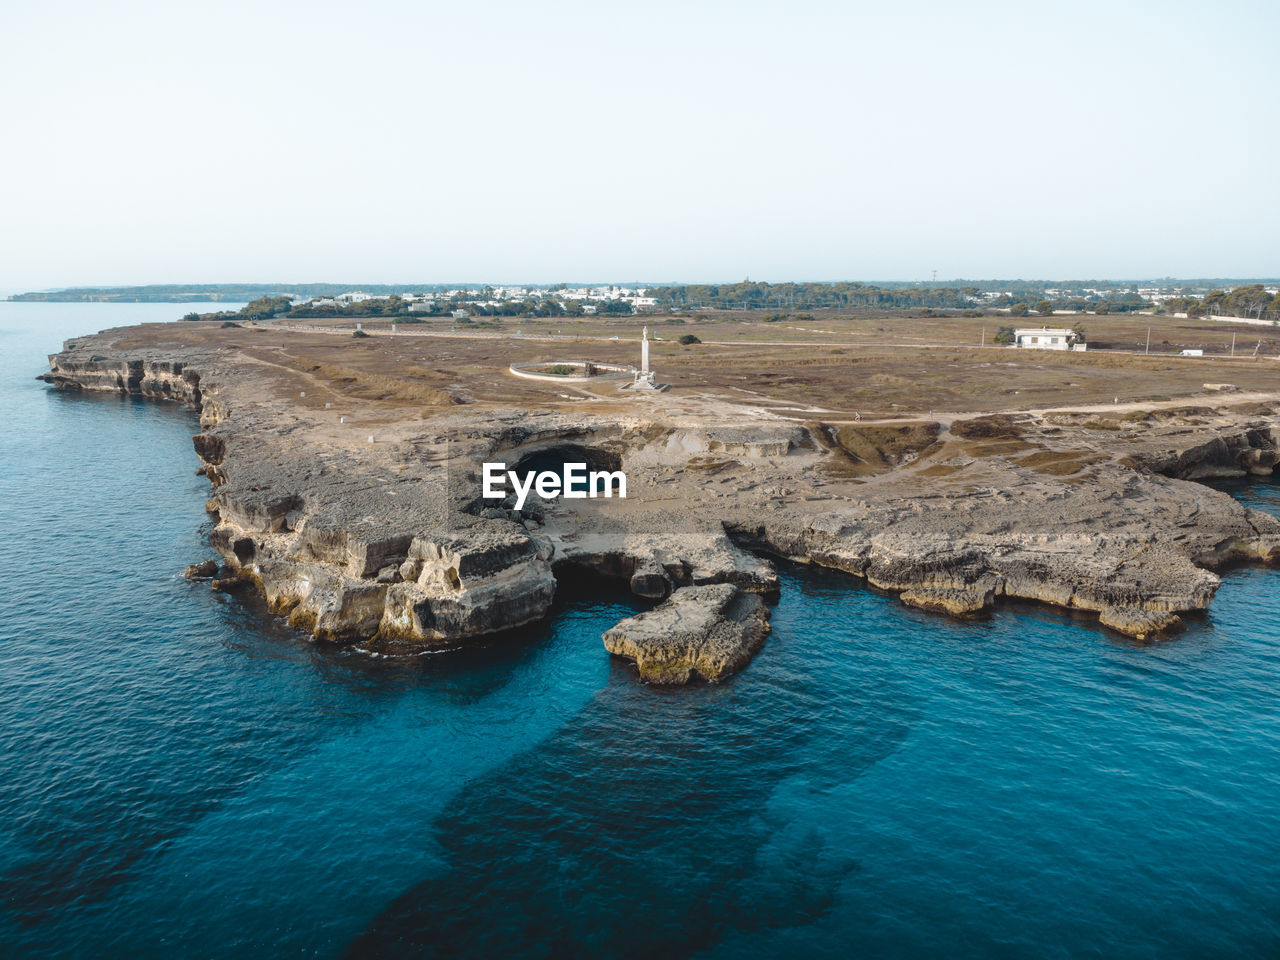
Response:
column 644, row 381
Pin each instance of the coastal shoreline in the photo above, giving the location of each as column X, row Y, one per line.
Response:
column 381, row 541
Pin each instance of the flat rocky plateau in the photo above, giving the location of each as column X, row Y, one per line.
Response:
column 351, row 501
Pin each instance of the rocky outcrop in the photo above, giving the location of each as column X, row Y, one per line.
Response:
column 953, row 601
column 157, row 379
column 1121, row 545
column 492, row 578
column 699, row 633
column 1191, row 455
column 1140, row 624
column 654, row 565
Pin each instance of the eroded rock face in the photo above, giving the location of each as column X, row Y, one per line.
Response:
column 492, row 578
column 699, row 633
column 154, row 377
column 1120, row 544
column 1190, row 455
column 653, row 565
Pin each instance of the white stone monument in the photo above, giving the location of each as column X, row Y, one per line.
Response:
column 646, row 379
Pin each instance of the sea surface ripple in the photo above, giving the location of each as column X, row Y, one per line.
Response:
column 185, row 776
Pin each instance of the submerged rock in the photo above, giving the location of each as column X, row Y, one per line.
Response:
column 1141, row 624
column 708, row 632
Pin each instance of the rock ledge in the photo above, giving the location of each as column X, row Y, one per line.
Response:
column 707, row 632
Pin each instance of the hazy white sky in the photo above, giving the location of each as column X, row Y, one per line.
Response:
column 396, row 141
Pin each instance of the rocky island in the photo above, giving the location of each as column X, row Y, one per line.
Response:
column 345, row 479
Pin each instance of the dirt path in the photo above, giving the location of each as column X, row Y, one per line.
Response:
column 1190, row 400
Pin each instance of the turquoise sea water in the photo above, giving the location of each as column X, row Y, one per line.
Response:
column 184, row 776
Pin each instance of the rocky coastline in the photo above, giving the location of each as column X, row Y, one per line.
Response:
column 372, row 533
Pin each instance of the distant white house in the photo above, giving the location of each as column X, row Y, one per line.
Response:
column 1046, row 338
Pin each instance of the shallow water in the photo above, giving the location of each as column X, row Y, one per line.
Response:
column 185, row 776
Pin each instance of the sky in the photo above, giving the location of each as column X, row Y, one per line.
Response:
column 660, row 141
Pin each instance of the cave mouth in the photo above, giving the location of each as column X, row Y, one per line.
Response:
column 554, row 458
column 244, row 549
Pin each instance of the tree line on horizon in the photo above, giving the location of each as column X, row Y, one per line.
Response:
column 1019, row 296
column 1251, row 301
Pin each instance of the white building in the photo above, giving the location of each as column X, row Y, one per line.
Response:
column 1045, row 338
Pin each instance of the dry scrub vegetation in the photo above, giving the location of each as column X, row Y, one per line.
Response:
column 802, row 383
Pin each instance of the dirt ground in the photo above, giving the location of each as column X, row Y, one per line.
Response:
column 1107, row 332
column 768, row 368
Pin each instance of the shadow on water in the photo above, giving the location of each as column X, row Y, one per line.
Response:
column 656, row 820
column 85, row 833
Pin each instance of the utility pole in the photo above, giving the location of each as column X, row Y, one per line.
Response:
column 1148, row 339
column 984, row 337
column 1233, row 344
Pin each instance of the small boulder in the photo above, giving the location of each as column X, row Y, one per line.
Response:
column 204, row 570
column 705, row 632
column 648, row 580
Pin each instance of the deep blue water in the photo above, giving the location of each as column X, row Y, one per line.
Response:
column 184, row 776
